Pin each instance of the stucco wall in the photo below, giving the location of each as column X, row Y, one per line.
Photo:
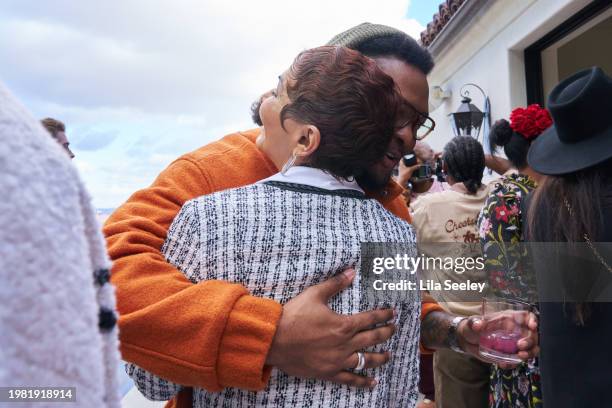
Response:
column 490, row 53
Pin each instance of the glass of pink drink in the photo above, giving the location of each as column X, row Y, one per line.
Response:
column 505, row 324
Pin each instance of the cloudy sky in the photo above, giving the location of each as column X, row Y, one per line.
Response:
column 140, row 82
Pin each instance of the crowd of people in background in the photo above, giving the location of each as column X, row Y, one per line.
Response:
column 236, row 273
column 450, row 216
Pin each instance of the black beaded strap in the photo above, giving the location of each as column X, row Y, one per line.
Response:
column 303, row 188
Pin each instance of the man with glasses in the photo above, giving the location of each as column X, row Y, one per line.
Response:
column 223, row 336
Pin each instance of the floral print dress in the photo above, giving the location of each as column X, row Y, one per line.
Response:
column 500, row 230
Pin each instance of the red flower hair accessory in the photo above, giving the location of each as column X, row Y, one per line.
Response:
column 530, row 122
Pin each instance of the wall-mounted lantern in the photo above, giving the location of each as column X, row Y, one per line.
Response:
column 468, row 119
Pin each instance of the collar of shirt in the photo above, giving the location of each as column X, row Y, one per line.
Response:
column 310, row 176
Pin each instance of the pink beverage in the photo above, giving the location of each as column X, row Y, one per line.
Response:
column 505, row 325
column 500, row 341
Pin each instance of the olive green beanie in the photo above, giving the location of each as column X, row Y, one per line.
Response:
column 354, row 36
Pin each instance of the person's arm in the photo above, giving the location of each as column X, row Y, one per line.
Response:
column 182, row 249
column 435, row 329
column 497, row 164
column 436, row 323
column 222, row 335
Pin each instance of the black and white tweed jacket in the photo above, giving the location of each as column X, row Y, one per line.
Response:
column 277, row 239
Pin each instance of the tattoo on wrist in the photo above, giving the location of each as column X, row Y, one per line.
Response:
column 434, row 330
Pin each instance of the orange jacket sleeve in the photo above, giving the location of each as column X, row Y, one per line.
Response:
column 223, row 334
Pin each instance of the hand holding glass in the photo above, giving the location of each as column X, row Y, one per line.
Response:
column 505, row 324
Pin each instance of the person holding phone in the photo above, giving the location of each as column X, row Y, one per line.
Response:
column 421, row 172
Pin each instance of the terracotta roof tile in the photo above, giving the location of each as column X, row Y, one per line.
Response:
column 439, row 21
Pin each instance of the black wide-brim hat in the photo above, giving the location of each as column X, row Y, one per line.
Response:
column 581, row 136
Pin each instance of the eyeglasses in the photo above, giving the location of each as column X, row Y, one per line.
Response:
column 422, row 124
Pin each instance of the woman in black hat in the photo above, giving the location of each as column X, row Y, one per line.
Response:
column 574, row 204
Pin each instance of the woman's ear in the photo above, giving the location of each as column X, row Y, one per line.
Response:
column 308, row 142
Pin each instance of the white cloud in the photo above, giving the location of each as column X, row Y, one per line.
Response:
column 157, row 78
column 85, row 167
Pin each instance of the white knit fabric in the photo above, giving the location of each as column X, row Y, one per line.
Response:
column 50, row 246
column 278, row 241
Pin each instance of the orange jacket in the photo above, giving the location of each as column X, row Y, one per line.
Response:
column 212, row 334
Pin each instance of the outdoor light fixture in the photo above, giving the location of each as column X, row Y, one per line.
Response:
column 468, row 119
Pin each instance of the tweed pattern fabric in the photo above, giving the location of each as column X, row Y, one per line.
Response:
column 277, row 242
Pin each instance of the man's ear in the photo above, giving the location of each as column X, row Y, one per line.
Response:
column 308, row 142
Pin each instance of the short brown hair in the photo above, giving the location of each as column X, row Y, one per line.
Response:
column 352, row 102
column 53, row 126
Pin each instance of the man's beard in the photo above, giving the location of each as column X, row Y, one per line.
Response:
column 373, row 182
column 255, row 112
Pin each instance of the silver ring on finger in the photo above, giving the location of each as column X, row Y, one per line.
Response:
column 360, row 363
